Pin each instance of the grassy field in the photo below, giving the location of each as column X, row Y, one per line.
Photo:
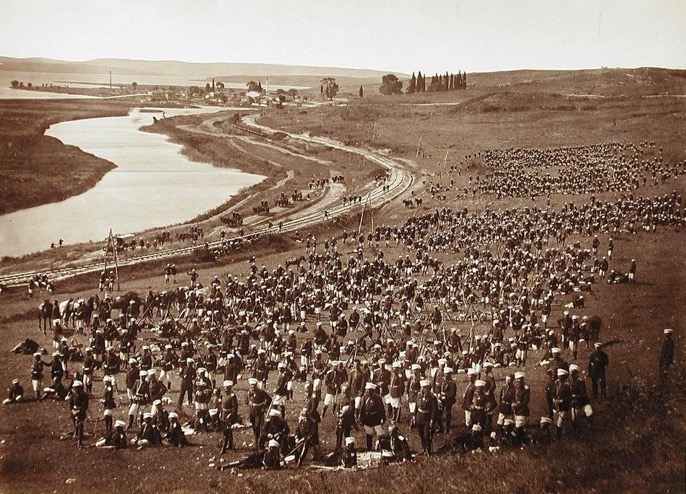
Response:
column 637, row 442
column 37, row 169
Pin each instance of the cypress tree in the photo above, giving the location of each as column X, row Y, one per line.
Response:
column 413, row 85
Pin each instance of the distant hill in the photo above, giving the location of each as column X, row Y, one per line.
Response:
column 219, row 70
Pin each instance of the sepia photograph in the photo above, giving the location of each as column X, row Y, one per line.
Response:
column 343, row 246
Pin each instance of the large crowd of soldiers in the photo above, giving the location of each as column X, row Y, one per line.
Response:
column 373, row 340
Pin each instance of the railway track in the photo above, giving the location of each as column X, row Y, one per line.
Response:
column 398, row 181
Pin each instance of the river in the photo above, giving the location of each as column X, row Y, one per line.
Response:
column 153, row 185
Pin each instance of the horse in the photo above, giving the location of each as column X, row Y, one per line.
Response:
column 44, row 315
column 294, row 261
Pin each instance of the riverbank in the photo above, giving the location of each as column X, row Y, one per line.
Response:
column 36, row 169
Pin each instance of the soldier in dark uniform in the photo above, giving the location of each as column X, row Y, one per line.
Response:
column 56, row 371
column 580, row 402
column 78, row 404
column 520, row 405
column 229, row 415
column 666, row 354
column 356, row 382
column 372, row 413
column 114, row 439
column 271, row 458
column 15, row 393
column 87, row 370
column 108, row 402
column 349, row 456
column 141, row 396
column 397, row 389
column 480, row 403
column 37, row 374
column 562, row 399
column 425, row 415
column 346, row 421
column 187, row 375
column 275, row 427
column 258, row 401
column 148, row 433
column 507, row 396
column 447, row 396
column 467, row 397
column 175, row 435
column 597, row 363
column 261, row 368
column 308, row 433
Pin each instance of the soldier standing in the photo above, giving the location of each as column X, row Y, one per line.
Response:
column 447, row 390
column 372, row 413
column 78, row 404
column 229, row 415
column 425, row 414
column 258, row 401
column 666, row 354
column 597, row 363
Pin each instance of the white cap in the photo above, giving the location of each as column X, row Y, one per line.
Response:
column 555, row 350
column 424, row 382
column 142, row 373
column 573, row 367
column 487, row 365
column 147, row 415
column 370, row 386
column 152, row 372
column 562, row 372
column 471, row 372
column 213, row 411
column 349, row 441
column 156, row 403
column 121, row 423
column 37, row 354
column 273, row 443
column 479, row 383
column 173, row 415
column 668, row 331
column 227, row 383
column 168, row 347
column 252, row 381
column 546, row 420
column 76, row 384
column 274, row 413
column 519, row 375
column 447, row 370
column 416, row 367
column 476, row 428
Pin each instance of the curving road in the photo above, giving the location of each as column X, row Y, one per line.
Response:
column 398, row 181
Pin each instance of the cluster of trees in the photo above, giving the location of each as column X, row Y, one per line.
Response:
column 443, row 82
column 390, row 84
column 329, row 88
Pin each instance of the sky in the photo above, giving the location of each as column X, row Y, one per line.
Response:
column 394, row 35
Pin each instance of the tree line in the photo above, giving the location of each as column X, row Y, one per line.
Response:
column 390, row 84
